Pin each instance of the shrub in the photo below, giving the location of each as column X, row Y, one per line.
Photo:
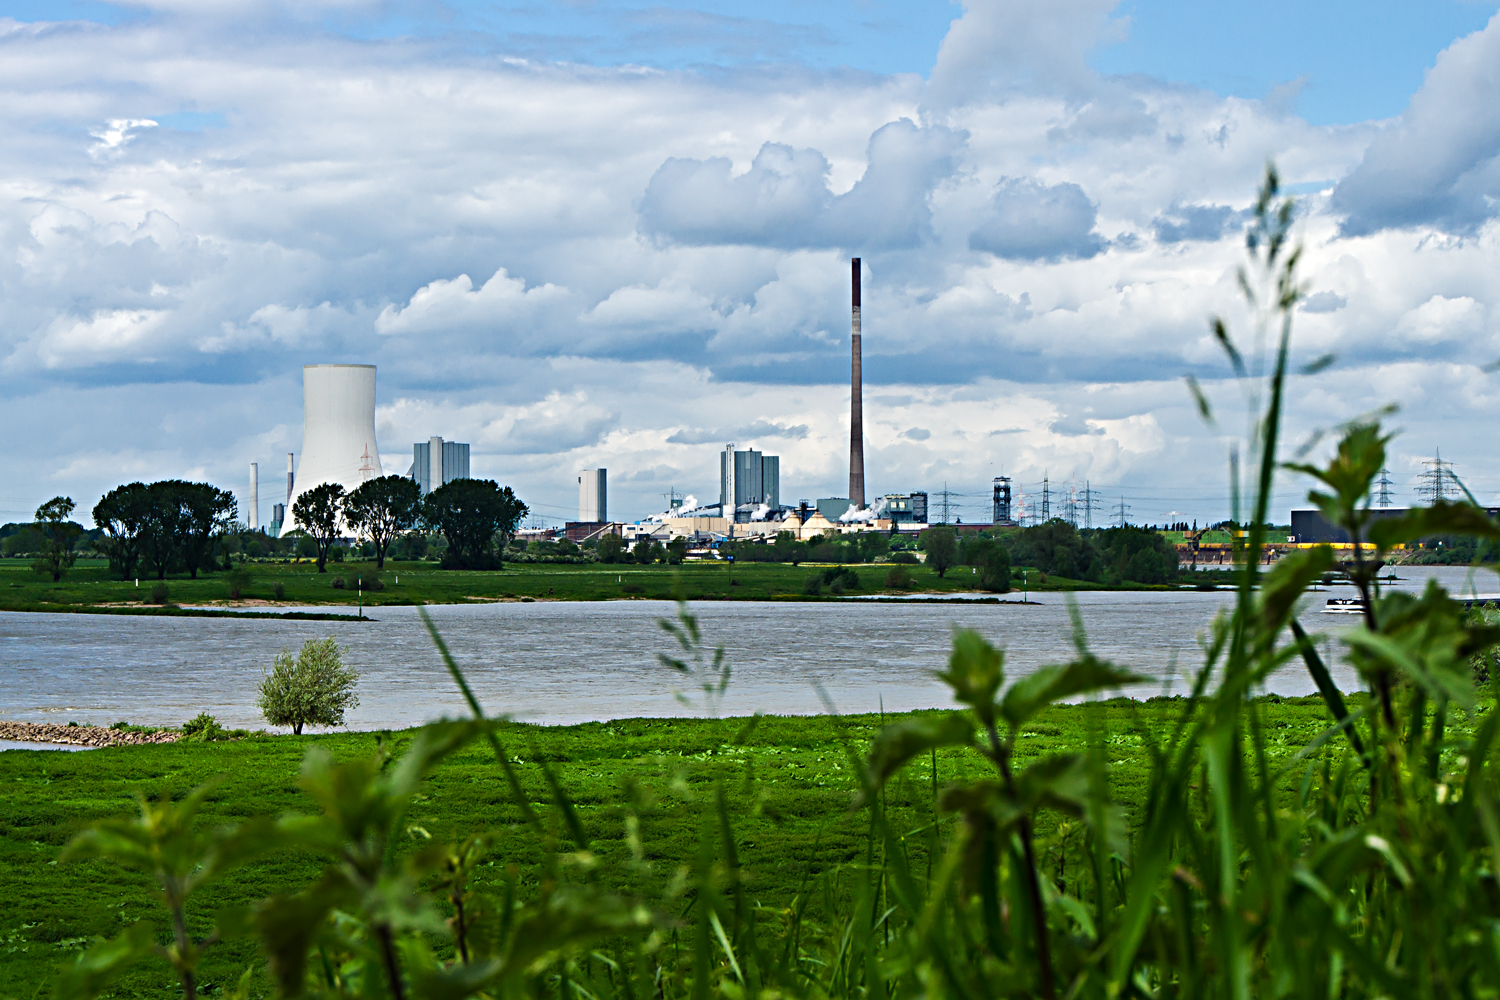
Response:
column 814, row 585
column 899, row 578
column 338, row 583
column 202, row 728
column 905, row 558
column 239, row 582
column 314, row 689
column 279, row 592
column 373, row 584
column 159, row 593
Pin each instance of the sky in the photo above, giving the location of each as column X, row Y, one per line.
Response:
column 617, row 234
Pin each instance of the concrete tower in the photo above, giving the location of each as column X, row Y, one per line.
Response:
column 593, row 496
column 338, row 429
column 856, row 400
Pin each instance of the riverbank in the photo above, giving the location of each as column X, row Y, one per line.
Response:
column 89, row 587
column 653, row 779
column 84, row 736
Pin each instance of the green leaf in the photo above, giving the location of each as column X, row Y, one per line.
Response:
column 103, row 961
column 1031, row 694
column 975, row 672
column 901, row 741
column 1442, row 518
column 289, row 924
column 1288, row 580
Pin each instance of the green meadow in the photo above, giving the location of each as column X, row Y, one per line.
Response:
column 791, row 805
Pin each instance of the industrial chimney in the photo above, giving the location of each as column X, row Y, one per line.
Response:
column 856, row 400
column 253, row 520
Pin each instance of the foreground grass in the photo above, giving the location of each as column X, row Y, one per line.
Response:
column 790, row 799
column 90, row 583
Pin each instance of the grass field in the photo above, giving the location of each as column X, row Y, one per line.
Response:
column 790, row 801
column 90, row 584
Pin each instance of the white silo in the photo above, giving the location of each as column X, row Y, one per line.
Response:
column 338, row 428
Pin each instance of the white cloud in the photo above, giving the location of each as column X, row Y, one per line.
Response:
column 571, row 266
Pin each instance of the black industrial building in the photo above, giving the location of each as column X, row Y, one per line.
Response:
column 1311, row 526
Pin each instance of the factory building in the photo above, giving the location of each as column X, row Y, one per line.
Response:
column 748, row 479
column 436, row 462
column 593, row 496
column 338, row 429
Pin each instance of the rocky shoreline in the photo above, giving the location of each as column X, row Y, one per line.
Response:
column 80, row 736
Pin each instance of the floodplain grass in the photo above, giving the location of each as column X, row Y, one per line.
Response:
column 89, row 584
column 792, row 809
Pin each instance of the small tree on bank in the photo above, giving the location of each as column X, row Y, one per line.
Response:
column 941, row 546
column 315, row 689
column 317, row 512
column 59, row 533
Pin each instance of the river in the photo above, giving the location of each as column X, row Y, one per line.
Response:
column 564, row 662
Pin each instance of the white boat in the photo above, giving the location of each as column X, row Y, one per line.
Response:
column 1344, row 606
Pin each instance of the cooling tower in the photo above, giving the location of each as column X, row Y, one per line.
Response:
column 338, row 428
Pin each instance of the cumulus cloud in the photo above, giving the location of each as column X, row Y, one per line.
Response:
column 571, row 266
column 1029, row 220
column 784, row 199
column 1439, row 163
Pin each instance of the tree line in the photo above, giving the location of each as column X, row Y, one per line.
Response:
column 163, row 527
column 477, row 517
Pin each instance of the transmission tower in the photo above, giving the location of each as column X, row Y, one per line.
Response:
column 946, row 505
column 1122, row 513
column 1383, row 498
column 1070, row 504
column 1437, row 480
column 1046, row 499
column 1088, row 505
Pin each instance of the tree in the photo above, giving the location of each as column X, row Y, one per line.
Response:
column 474, row 515
column 122, row 515
column 384, row 509
column 677, row 550
column 315, row 689
column 206, row 513
column 941, row 546
column 162, row 525
column 318, row 511
column 645, row 550
column 993, row 563
column 611, row 548
column 58, row 534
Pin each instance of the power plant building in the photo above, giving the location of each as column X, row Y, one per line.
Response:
column 593, row 496
column 436, row 462
column 338, row 429
column 748, row 479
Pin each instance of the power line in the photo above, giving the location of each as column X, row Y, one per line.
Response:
column 1122, row 513
column 1437, row 481
column 1383, row 498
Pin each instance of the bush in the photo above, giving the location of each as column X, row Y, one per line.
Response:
column 338, row 583
column 905, row 558
column 315, row 689
column 899, row 578
column 279, row 592
column 239, row 582
column 159, row 593
column 814, row 585
column 373, row 584
column 203, row 728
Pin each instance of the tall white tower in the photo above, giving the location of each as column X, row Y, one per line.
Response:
column 593, row 502
column 253, row 518
column 338, row 429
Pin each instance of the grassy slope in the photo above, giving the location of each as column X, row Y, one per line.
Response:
column 90, row 583
column 790, row 793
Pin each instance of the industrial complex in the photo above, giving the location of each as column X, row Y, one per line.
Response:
column 339, row 446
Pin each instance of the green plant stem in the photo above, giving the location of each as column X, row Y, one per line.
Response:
column 388, row 957
column 180, row 935
column 1000, row 755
